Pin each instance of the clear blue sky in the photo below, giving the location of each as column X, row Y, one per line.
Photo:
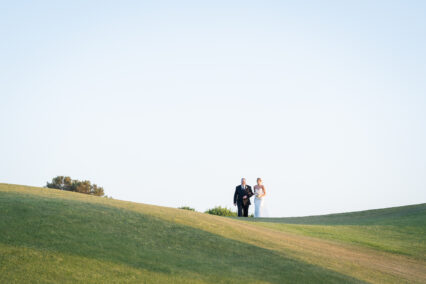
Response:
column 172, row 102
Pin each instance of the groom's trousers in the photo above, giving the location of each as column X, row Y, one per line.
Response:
column 242, row 209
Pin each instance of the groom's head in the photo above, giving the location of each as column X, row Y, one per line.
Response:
column 243, row 181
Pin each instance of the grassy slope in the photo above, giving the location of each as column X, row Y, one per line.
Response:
column 402, row 215
column 50, row 235
column 399, row 230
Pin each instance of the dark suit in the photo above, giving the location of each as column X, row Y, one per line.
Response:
column 240, row 192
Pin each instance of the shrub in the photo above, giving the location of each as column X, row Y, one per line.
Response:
column 221, row 211
column 186, row 208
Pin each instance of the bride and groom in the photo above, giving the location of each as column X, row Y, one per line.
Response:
column 242, row 196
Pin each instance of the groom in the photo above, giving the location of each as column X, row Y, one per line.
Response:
column 242, row 196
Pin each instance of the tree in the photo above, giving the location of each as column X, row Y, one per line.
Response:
column 97, row 190
column 60, row 182
column 66, row 183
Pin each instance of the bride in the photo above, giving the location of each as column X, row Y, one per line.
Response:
column 259, row 192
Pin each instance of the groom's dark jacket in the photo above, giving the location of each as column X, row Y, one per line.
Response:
column 240, row 192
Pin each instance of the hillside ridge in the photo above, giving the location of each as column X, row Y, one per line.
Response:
column 135, row 242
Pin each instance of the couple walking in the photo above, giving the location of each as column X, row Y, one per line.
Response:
column 242, row 196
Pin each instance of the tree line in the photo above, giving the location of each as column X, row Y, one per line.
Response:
column 68, row 184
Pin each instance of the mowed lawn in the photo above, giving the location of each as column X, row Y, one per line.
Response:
column 47, row 235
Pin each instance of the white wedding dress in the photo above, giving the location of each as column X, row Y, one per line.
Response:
column 259, row 203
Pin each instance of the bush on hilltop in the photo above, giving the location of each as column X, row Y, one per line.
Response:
column 221, row 211
column 66, row 183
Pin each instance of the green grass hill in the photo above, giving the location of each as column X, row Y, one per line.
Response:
column 53, row 236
